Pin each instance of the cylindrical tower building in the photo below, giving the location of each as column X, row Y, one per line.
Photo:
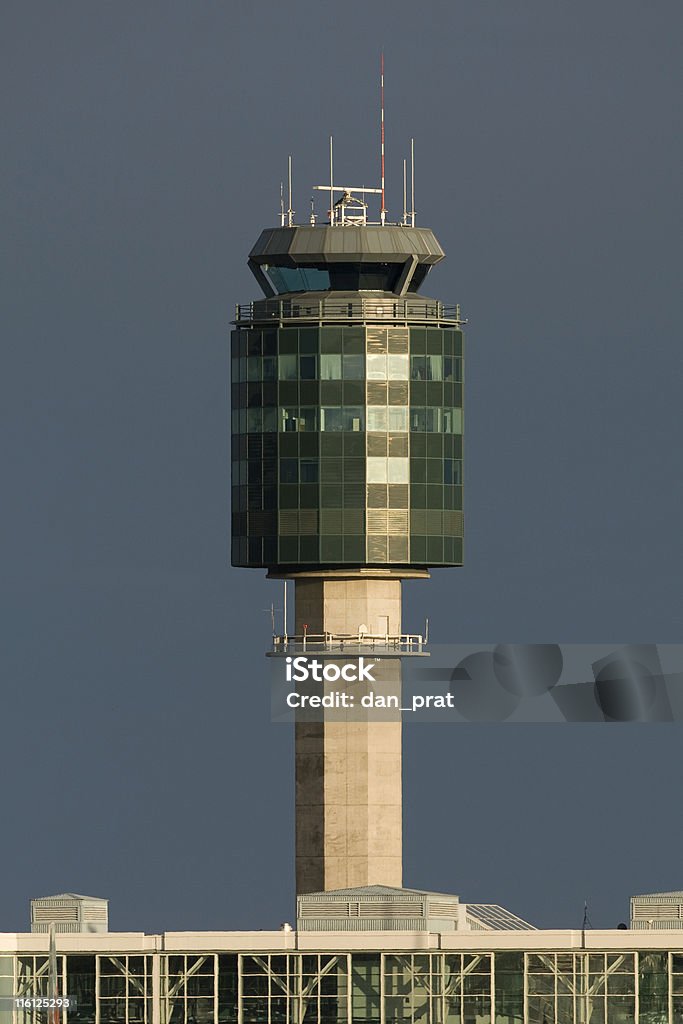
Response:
column 347, row 477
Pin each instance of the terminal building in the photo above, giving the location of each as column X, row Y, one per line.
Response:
column 371, row 955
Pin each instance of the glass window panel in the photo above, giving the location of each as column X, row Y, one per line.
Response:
column 376, row 470
column 377, row 418
column 254, row 421
column 307, row 367
column 269, row 368
column 353, row 367
column 331, row 366
column 331, row 418
column 398, row 470
column 309, row 471
column 308, row 419
column 289, row 471
column 289, row 420
column 253, row 368
column 434, row 367
column 376, row 367
column 270, row 420
column 398, row 418
column 398, row 367
column 352, row 418
column 287, row 367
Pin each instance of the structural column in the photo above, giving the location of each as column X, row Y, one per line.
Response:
column 348, row 772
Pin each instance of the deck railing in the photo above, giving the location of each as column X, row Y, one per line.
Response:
column 363, row 310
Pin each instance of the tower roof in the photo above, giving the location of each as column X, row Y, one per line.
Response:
column 307, row 245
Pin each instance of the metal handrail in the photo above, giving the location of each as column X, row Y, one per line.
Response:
column 365, row 310
column 318, row 642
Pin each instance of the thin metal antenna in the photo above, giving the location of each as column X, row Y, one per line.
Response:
column 382, row 212
column 405, row 199
column 284, row 616
column 282, row 206
column 290, row 211
column 312, row 211
column 412, row 182
column 331, row 185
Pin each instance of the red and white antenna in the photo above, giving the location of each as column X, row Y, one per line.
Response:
column 382, row 212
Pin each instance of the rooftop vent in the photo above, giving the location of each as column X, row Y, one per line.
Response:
column 70, row 912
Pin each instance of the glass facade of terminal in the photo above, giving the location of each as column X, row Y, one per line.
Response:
column 354, row 988
column 347, row 446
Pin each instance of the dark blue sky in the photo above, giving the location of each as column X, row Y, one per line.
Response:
column 143, row 146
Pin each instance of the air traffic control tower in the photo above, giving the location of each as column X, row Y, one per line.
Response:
column 347, row 479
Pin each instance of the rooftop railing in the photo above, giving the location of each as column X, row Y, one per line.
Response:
column 363, row 310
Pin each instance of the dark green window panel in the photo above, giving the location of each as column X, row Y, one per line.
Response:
column 448, row 556
column 435, row 471
column 288, row 341
column 354, row 443
column 254, row 496
column 289, row 496
column 457, row 550
column 331, row 418
column 418, row 445
column 434, row 341
column 308, row 470
column 434, row 496
column 254, row 446
column 449, row 496
column 354, row 496
column 418, row 496
column 448, row 342
column 353, row 392
column 449, row 394
column 458, row 343
column 307, row 367
column 255, row 549
column 235, row 344
column 354, row 470
column 269, row 393
column 308, row 418
column 288, row 445
column 331, row 443
column 434, row 550
column 254, row 368
column 331, row 392
column 458, row 395
column 434, row 446
column 308, row 549
column 418, row 340
column 331, row 495
column 270, row 550
column 255, row 421
column 309, row 393
column 418, row 549
column 270, row 423
column 309, row 443
column 353, row 418
column 331, row 339
column 434, row 393
column 288, row 367
column 269, row 368
column 331, row 470
column 270, row 343
column 308, row 496
column 418, row 392
column 289, row 471
column 331, row 549
column 354, row 522
column 354, row 341
column 457, row 446
column 308, row 339
column 288, row 393
column 253, row 343
column 354, row 549
column 457, row 496
column 270, row 494
column 418, row 471
column 289, row 549
column 254, row 396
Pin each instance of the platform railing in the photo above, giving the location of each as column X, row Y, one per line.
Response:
column 364, row 310
column 349, row 643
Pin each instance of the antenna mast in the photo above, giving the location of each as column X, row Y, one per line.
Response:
column 412, row 183
column 290, row 211
column 382, row 212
